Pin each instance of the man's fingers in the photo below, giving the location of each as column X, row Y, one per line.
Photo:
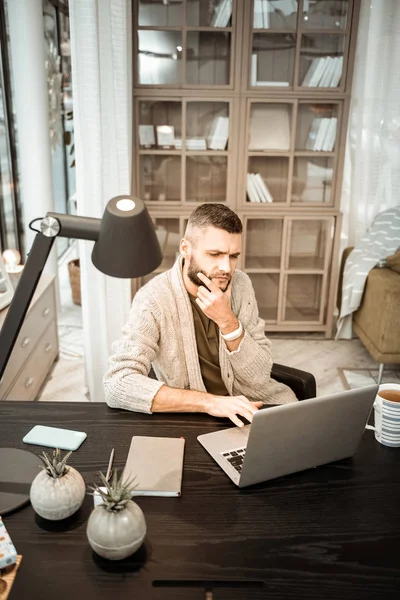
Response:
column 236, row 421
column 203, row 293
column 211, row 285
column 201, row 304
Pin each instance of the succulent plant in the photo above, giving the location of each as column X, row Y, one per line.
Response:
column 58, row 490
column 55, row 466
column 115, row 493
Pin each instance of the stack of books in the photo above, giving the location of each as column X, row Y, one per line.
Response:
column 217, row 138
column 261, row 14
column 222, row 14
column 192, row 143
column 256, row 188
column 324, row 72
column 322, row 135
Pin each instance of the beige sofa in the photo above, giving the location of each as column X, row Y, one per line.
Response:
column 377, row 321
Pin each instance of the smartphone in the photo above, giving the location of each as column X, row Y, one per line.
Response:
column 53, row 437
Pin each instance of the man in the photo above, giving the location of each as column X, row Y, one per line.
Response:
column 197, row 325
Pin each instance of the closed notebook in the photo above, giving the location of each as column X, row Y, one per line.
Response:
column 155, row 464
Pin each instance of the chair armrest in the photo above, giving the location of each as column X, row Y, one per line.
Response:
column 301, row 382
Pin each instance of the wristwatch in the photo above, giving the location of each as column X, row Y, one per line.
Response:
column 233, row 335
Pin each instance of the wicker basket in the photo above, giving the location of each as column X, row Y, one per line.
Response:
column 74, row 272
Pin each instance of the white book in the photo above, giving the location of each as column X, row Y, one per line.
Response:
column 316, row 78
column 312, row 134
column 165, row 135
column 253, row 75
column 219, row 133
column 250, row 190
column 310, row 72
column 272, row 83
column 321, row 134
column 225, row 13
column 258, row 15
column 146, row 135
column 330, row 136
column 266, row 193
column 265, row 14
column 259, row 190
column 337, row 73
column 217, row 13
column 327, row 74
column 196, row 143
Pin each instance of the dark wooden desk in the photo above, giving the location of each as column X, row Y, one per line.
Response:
column 328, row 533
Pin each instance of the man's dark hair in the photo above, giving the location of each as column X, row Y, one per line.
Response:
column 213, row 215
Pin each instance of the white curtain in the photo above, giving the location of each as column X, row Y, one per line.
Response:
column 371, row 182
column 102, row 91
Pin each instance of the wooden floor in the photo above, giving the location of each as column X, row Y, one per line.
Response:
column 323, row 358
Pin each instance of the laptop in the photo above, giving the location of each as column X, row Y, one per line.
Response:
column 292, row 437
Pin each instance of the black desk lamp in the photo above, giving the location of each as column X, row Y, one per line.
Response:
column 126, row 245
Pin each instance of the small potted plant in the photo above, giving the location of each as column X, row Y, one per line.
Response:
column 58, row 490
column 116, row 527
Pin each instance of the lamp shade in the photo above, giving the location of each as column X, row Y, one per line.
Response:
column 127, row 245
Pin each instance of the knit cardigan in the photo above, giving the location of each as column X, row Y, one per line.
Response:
column 160, row 334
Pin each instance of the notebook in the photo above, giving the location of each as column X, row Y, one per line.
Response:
column 156, row 465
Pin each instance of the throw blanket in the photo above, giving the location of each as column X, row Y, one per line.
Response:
column 380, row 241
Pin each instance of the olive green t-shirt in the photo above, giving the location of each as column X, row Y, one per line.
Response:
column 207, row 339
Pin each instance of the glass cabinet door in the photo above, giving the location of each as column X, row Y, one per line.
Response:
column 263, row 249
column 325, row 15
column 169, row 235
column 317, row 125
column 303, row 300
column 160, row 178
column 184, row 44
column 270, row 126
column 207, row 125
column 309, row 241
column 321, row 60
column 266, row 289
column 206, row 178
column 273, row 48
column 209, row 13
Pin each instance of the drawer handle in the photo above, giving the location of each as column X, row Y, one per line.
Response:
column 46, row 312
column 48, row 347
column 29, row 382
column 25, row 342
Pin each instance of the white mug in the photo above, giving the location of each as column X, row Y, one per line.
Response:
column 387, row 418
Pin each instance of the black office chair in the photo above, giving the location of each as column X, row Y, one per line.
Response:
column 302, row 383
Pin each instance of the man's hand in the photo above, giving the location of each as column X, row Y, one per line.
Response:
column 231, row 406
column 216, row 304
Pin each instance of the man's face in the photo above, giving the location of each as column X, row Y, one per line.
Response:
column 214, row 253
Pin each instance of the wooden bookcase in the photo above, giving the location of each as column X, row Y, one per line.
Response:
column 217, row 98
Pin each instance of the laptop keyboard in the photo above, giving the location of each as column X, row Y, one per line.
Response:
column 235, row 458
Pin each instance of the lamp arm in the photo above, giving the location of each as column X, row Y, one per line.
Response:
column 74, row 226
column 53, row 225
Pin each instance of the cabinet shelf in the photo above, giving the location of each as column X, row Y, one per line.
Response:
column 255, row 114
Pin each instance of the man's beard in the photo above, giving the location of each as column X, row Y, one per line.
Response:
column 193, row 269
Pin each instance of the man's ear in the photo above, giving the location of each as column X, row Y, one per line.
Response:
column 184, row 248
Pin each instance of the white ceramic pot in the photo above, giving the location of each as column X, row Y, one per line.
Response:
column 116, row 535
column 57, row 498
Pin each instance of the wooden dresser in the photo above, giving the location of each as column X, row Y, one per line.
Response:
column 36, row 347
